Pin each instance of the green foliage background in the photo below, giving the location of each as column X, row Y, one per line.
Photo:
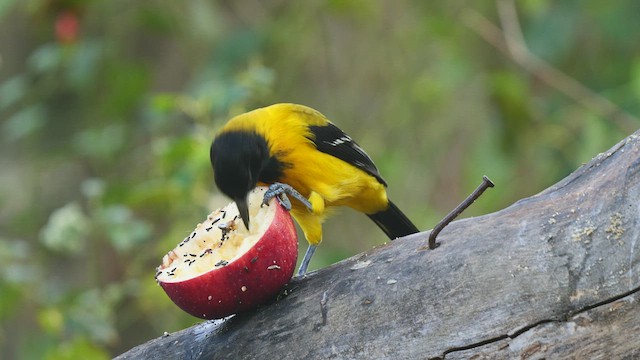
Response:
column 105, row 138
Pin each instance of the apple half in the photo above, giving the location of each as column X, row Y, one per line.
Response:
column 222, row 268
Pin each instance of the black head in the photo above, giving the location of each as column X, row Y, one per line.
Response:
column 237, row 159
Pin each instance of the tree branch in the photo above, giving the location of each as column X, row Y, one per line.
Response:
column 511, row 43
column 554, row 275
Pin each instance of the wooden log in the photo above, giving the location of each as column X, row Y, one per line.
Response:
column 555, row 276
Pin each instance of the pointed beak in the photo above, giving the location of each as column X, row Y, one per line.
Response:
column 243, row 208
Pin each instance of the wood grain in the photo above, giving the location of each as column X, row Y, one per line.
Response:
column 555, row 276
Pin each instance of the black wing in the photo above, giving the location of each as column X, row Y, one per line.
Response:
column 331, row 140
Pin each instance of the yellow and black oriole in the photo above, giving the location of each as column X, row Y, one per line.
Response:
column 294, row 147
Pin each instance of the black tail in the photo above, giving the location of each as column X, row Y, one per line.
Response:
column 393, row 222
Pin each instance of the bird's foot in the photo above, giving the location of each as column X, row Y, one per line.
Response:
column 281, row 191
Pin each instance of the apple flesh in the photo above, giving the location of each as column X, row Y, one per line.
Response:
column 222, row 268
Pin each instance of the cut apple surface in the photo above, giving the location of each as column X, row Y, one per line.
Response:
column 222, row 268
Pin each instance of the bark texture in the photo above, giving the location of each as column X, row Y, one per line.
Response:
column 556, row 275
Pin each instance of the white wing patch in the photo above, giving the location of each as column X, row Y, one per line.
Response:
column 346, row 139
column 333, row 141
column 343, row 140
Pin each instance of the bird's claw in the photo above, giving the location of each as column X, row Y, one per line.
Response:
column 280, row 191
column 284, row 201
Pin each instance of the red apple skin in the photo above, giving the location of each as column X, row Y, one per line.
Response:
column 251, row 280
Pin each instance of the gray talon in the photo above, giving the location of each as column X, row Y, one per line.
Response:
column 280, row 191
column 284, row 201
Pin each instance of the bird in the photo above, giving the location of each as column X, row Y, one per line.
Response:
column 296, row 150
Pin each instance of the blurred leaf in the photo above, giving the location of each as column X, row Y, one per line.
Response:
column 82, row 68
column 51, row 320
column 178, row 153
column 158, row 19
column 93, row 188
column 126, row 83
column 204, row 21
column 236, row 49
column 592, row 140
column 197, row 108
column 37, row 345
column 11, row 299
column 511, row 93
column 123, row 230
column 100, row 143
column 67, row 230
column 359, row 8
column 17, row 264
column 13, row 90
column 551, row 34
column 165, row 103
column 92, row 314
column 257, row 79
column 257, row 76
column 24, row 123
column 534, row 7
column 5, row 5
column 79, row 348
column 46, row 58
